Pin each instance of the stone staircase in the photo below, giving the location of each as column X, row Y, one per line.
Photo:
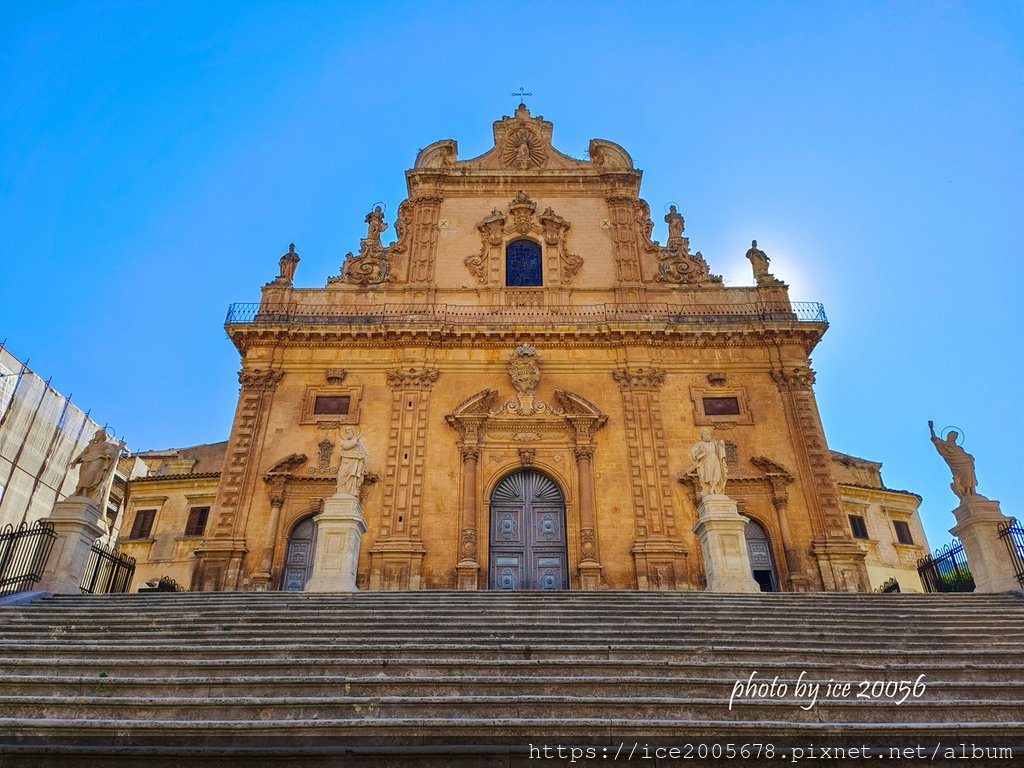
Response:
column 476, row 678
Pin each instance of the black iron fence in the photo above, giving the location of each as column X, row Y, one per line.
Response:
column 163, row 584
column 562, row 315
column 108, row 571
column 889, row 587
column 1012, row 535
column 23, row 554
column 946, row 570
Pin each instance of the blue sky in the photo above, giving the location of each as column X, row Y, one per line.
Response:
column 157, row 158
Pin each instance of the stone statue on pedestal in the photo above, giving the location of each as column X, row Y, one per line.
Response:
column 960, row 462
column 96, row 461
column 759, row 262
column 712, row 469
column 287, row 265
column 351, row 463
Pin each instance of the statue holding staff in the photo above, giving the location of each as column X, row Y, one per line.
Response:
column 960, row 462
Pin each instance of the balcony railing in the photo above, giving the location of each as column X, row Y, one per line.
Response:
column 563, row 315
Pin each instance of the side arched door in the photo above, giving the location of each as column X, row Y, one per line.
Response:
column 298, row 563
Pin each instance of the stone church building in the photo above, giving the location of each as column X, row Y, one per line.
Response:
column 528, row 370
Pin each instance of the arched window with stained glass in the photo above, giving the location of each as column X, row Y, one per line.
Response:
column 523, row 264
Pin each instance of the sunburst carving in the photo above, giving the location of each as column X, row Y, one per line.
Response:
column 522, row 150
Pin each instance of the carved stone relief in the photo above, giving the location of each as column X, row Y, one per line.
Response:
column 497, row 230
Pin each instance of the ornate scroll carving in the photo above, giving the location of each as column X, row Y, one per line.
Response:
column 676, row 265
column 325, row 449
column 491, row 230
column 554, row 229
column 288, row 464
column 467, row 545
column 524, row 372
column 778, row 477
column 717, row 379
column 335, row 376
column 639, row 378
column 259, row 378
column 371, row 266
column 798, row 377
column 412, row 379
column 497, row 229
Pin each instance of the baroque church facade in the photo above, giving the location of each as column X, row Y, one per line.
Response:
column 528, row 370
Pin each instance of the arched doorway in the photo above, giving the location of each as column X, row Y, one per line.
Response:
column 528, row 543
column 298, row 561
column 760, row 552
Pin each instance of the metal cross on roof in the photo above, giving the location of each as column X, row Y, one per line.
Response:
column 522, row 92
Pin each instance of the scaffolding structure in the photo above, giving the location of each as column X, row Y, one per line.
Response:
column 41, row 432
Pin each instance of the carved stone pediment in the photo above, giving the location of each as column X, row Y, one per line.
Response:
column 523, row 143
column 770, row 467
column 288, row 464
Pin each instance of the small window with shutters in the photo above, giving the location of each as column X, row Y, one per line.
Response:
column 196, row 524
column 143, row 524
column 902, row 532
column 859, row 527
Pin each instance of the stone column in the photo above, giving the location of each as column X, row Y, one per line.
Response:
column 468, row 569
column 977, row 521
column 76, row 521
column 726, row 560
column 275, row 490
column 339, row 530
column 590, row 567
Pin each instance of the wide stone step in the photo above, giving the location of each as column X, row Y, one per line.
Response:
column 198, row 708
column 933, row 667
column 753, row 656
column 461, row 684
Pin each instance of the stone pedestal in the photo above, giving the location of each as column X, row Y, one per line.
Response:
column 339, row 529
column 468, row 575
column 977, row 521
column 726, row 561
column 76, row 521
column 590, row 576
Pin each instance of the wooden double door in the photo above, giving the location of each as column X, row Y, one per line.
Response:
column 527, row 539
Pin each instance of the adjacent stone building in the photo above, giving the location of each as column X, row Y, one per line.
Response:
column 884, row 521
column 528, row 370
column 168, row 511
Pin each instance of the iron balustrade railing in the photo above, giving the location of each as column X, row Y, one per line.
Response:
column 891, row 586
column 570, row 315
column 1012, row 535
column 946, row 570
column 108, row 571
column 23, row 554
